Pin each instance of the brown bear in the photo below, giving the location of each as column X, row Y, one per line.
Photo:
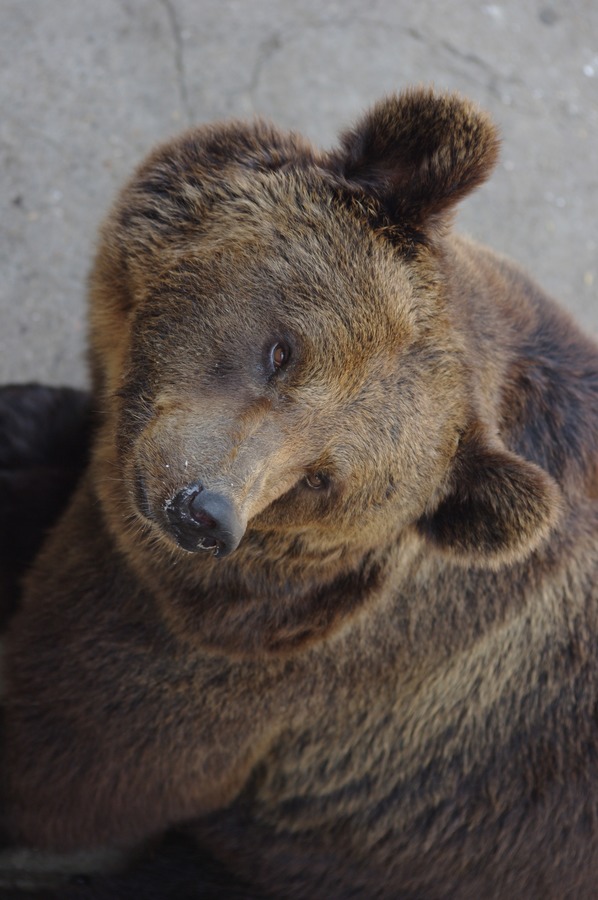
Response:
column 326, row 592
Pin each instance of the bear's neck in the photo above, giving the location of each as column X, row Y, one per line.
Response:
column 268, row 597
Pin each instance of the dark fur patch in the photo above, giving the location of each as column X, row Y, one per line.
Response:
column 44, row 441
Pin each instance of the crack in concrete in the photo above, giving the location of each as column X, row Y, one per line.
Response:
column 474, row 59
column 179, row 60
column 429, row 40
column 493, row 78
column 468, row 57
column 266, row 51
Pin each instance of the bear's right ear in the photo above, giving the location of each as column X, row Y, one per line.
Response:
column 497, row 507
column 418, row 153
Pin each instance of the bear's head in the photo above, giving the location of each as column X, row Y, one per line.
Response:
column 286, row 381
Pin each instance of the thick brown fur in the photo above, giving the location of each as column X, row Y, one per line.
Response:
column 389, row 688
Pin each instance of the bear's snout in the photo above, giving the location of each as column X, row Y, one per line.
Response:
column 199, row 519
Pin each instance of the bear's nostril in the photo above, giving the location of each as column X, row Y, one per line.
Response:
column 204, row 520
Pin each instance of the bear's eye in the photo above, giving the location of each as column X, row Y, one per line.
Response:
column 317, row 481
column 279, row 355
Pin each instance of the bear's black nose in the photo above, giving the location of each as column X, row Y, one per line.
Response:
column 204, row 520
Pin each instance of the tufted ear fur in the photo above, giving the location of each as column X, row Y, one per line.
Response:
column 498, row 506
column 419, row 153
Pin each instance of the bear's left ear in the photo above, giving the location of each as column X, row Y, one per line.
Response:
column 497, row 509
column 418, row 153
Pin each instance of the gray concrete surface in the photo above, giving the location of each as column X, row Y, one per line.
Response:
column 87, row 86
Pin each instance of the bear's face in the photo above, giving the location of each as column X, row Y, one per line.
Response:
column 285, row 375
column 275, row 368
